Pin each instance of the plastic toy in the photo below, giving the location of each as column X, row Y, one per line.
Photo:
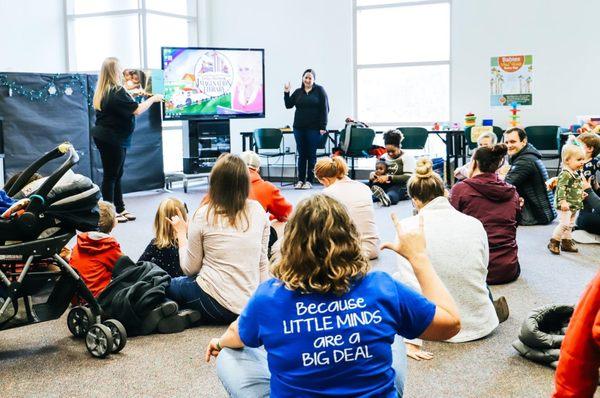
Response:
column 514, row 114
column 470, row 120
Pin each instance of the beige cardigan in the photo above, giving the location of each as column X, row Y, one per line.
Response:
column 228, row 263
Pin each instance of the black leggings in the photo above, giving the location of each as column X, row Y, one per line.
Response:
column 113, row 160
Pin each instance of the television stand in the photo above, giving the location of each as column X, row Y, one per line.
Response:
column 203, row 142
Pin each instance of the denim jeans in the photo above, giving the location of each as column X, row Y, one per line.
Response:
column 187, row 293
column 307, row 141
column 245, row 372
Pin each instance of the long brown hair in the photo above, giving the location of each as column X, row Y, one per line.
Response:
column 110, row 77
column 425, row 185
column 321, row 250
column 228, row 191
column 164, row 235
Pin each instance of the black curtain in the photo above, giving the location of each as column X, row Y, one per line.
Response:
column 30, row 128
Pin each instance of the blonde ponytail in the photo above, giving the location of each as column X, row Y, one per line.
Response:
column 334, row 167
column 425, row 185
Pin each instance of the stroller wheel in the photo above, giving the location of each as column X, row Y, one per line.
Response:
column 79, row 321
column 99, row 340
column 118, row 333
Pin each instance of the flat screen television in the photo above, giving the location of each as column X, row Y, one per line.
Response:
column 213, row 83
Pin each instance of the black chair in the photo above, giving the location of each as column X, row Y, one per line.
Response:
column 546, row 140
column 359, row 145
column 414, row 137
column 323, row 147
column 472, row 144
column 269, row 143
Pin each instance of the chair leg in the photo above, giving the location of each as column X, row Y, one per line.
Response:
column 353, row 170
column 268, row 170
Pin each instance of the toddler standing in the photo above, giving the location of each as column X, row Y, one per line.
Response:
column 569, row 198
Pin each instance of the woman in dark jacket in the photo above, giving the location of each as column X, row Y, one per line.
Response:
column 496, row 204
column 310, row 121
column 115, row 122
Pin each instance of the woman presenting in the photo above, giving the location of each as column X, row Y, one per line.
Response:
column 310, row 121
column 115, row 122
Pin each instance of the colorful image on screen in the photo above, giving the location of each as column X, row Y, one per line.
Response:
column 213, row 83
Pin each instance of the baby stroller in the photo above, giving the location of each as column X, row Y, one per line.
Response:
column 42, row 288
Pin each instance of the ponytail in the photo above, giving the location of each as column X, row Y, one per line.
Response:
column 425, row 185
column 489, row 159
column 334, row 167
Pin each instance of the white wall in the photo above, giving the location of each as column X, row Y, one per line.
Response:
column 33, row 36
column 566, row 56
column 295, row 35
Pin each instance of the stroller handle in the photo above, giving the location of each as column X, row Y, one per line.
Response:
column 71, row 161
column 56, row 153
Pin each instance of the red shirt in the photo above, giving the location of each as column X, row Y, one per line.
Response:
column 577, row 372
column 269, row 196
column 94, row 257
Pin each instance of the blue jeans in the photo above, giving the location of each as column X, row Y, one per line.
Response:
column 307, row 141
column 245, row 372
column 186, row 292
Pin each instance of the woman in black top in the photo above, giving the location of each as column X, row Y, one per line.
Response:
column 115, row 122
column 310, row 121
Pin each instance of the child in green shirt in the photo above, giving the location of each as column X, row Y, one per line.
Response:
column 569, row 198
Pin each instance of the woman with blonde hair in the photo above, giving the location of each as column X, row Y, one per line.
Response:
column 163, row 249
column 327, row 324
column 223, row 247
column 458, row 247
column 356, row 196
column 115, row 122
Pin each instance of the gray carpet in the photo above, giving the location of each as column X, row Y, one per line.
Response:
column 44, row 360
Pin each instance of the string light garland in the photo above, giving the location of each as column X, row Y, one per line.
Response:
column 50, row 89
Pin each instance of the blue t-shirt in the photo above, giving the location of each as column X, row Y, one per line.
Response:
column 330, row 346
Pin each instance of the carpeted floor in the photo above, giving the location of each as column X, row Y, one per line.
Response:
column 44, row 360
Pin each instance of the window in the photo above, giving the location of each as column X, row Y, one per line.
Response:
column 133, row 31
column 402, row 62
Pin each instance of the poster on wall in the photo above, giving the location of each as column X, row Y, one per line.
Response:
column 511, row 80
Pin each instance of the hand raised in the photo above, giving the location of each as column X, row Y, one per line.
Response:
column 286, row 87
column 178, row 223
column 409, row 244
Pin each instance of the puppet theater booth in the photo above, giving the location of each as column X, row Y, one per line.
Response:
column 40, row 111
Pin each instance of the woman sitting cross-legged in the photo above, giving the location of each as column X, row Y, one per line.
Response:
column 458, row 247
column 224, row 250
column 496, row 204
column 356, row 196
column 329, row 327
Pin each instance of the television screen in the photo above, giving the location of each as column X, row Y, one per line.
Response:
column 213, row 83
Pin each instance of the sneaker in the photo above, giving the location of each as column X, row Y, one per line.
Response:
column 299, row 185
column 164, row 310
column 178, row 322
column 306, row 185
column 380, row 194
column 584, row 237
column 121, row 218
column 501, row 307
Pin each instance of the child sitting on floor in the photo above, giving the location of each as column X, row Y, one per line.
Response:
column 163, row 249
column 96, row 253
column 381, row 169
column 569, row 198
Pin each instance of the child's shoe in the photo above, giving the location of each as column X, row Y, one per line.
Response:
column 380, row 194
column 554, row 246
column 568, row 245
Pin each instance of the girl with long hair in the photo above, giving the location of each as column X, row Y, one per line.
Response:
column 223, row 250
column 115, row 122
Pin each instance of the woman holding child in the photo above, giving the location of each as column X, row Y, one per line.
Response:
column 327, row 324
column 356, row 196
column 223, row 251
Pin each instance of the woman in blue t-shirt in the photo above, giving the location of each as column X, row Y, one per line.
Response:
column 327, row 325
